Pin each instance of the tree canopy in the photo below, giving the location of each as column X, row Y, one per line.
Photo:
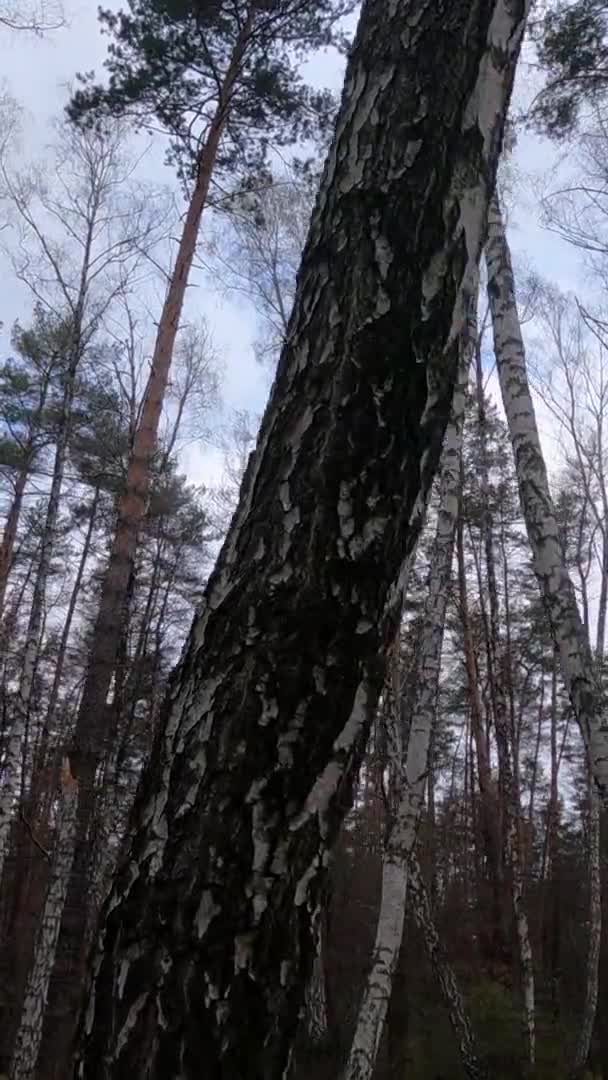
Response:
column 181, row 63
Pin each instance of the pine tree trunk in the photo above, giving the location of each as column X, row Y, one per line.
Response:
column 205, row 944
column 92, row 730
column 29, row 1035
column 410, row 784
column 556, row 586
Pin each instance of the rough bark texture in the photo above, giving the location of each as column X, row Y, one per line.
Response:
column 410, row 783
column 316, row 1002
column 556, row 586
column 205, row 942
column 29, row 1034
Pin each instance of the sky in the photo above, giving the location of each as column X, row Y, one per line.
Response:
column 37, row 73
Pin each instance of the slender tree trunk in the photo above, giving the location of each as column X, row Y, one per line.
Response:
column 490, row 811
column 556, row 586
column 29, row 1035
column 91, row 732
column 511, row 808
column 7, row 544
column 133, row 502
column 459, row 1019
column 569, row 634
column 47, row 728
column 14, row 762
column 206, row 935
column 585, row 1033
column 409, row 787
column 9, row 535
column 45, row 773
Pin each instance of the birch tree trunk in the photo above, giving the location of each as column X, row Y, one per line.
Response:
column 595, row 935
column 206, row 934
column 29, row 1035
column 594, row 943
column 568, row 631
column 410, row 784
column 316, row 1001
column 459, row 1019
column 554, row 580
column 10, row 529
column 14, row 756
column 490, row 813
column 506, row 750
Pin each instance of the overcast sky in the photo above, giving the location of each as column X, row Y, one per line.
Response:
column 38, row 73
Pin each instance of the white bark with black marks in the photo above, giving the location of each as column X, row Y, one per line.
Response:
column 410, row 783
column 556, row 586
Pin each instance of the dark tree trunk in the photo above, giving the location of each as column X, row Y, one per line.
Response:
column 206, row 938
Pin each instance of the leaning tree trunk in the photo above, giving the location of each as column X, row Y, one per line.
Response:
column 205, row 943
column 578, row 670
column 409, row 783
column 29, row 1035
column 453, row 999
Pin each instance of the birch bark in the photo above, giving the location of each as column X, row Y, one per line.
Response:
column 459, row 1018
column 410, row 783
column 497, row 666
column 206, row 934
column 556, row 586
column 568, row 631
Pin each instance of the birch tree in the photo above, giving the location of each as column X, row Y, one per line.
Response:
column 259, row 738
column 570, row 637
column 409, row 782
column 554, row 580
column 506, row 750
